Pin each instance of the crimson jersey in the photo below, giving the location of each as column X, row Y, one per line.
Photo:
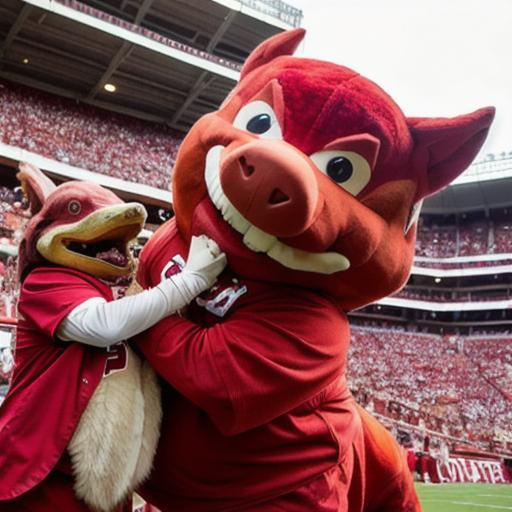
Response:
column 52, row 381
column 257, row 404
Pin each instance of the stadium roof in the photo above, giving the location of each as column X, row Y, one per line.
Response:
column 471, row 196
column 171, row 61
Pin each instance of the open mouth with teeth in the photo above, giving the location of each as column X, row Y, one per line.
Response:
column 97, row 244
column 259, row 241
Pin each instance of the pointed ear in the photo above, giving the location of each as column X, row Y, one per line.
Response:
column 446, row 147
column 284, row 43
column 36, row 186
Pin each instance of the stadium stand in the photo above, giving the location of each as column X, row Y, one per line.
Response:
column 452, row 295
column 473, row 239
column 87, row 137
column 436, row 241
column 446, row 384
column 477, row 263
column 502, row 238
column 467, row 239
column 493, row 357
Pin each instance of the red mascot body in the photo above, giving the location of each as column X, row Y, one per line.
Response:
column 309, row 178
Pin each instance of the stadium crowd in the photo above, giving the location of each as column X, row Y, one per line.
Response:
column 457, row 386
column 13, row 217
column 467, row 239
column 493, row 358
column 87, row 137
column 465, row 264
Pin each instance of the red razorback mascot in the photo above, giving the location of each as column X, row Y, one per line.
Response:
column 308, row 177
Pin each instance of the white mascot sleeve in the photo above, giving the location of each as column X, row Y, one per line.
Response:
column 101, row 323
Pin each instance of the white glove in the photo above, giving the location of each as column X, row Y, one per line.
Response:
column 205, row 258
column 204, row 264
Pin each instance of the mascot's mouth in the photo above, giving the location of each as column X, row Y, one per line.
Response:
column 109, row 251
column 98, row 243
column 259, row 241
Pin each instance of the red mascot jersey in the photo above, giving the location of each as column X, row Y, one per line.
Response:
column 257, row 400
column 52, row 381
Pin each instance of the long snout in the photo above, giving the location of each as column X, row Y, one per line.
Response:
column 272, row 184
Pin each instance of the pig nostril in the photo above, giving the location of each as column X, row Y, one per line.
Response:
column 246, row 169
column 278, row 197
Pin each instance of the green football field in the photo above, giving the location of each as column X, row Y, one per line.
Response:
column 465, row 497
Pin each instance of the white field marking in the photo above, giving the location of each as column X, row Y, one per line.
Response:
column 464, row 492
column 493, row 496
column 484, row 505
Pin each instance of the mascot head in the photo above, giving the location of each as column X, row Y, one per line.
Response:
column 77, row 225
column 309, row 174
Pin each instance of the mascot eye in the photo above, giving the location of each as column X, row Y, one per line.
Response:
column 339, row 169
column 348, row 169
column 258, row 117
column 74, row 207
column 259, row 124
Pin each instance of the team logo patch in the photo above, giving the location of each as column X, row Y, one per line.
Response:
column 220, row 298
column 175, row 266
column 117, row 359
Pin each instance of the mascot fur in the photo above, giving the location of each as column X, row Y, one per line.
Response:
column 310, row 178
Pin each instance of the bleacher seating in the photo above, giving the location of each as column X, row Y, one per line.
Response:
column 502, row 237
column 452, row 296
column 87, row 137
column 493, row 358
column 467, row 239
column 436, row 241
column 417, row 377
column 473, row 239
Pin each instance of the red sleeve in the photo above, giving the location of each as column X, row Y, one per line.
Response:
column 49, row 294
column 267, row 358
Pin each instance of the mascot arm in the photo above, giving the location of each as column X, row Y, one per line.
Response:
column 255, row 366
column 100, row 323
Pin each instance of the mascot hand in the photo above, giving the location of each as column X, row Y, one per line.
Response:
column 205, row 259
column 205, row 262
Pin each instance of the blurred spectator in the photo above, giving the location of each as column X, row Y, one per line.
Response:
column 436, row 241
